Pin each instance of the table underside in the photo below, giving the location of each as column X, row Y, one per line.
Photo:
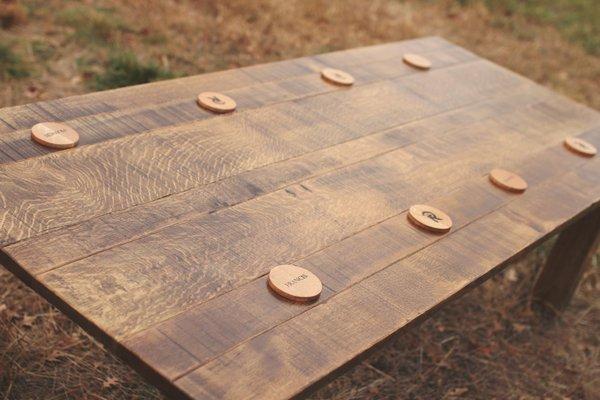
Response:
column 156, row 233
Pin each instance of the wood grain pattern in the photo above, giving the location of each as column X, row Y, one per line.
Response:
column 158, row 231
column 251, row 245
column 340, row 265
column 372, row 310
column 111, row 229
column 242, row 241
column 115, row 113
column 162, row 162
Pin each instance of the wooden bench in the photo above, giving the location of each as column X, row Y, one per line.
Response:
column 158, row 231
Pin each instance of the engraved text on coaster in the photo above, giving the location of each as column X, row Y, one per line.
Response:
column 55, row 135
column 295, row 283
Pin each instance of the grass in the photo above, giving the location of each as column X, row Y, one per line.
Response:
column 124, row 69
column 95, row 26
column 490, row 344
column 42, row 50
column 578, row 20
column 101, row 27
column 11, row 65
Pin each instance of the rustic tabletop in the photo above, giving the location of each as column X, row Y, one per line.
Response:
column 157, row 232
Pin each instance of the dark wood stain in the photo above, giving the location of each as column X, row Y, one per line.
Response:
column 157, row 232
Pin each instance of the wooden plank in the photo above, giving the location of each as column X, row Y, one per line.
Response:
column 345, row 58
column 179, row 155
column 161, row 104
column 304, row 350
column 242, row 242
column 231, row 241
column 216, row 326
column 381, row 102
column 343, row 264
column 134, row 170
column 248, row 319
column 12, row 229
column 160, row 350
column 39, row 253
column 100, row 127
column 5, row 157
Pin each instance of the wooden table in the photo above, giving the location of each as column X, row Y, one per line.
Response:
column 157, row 232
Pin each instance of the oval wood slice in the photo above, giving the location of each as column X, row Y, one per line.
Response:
column 580, row 146
column 508, row 180
column 216, row 102
column 337, row 76
column 417, row 61
column 55, row 135
column 429, row 218
column 295, row 283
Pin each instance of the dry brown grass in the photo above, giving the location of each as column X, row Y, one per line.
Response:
column 489, row 344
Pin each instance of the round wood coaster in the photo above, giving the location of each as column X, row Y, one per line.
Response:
column 295, row 283
column 216, row 102
column 508, row 180
column 417, row 61
column 580, row 146
column 429, row 218
column 337, row 76
column 55, row 135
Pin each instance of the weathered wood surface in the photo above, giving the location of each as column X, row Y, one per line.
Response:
column 157, row 232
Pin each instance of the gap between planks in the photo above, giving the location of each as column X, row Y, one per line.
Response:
column 481, row 274
column 509, row 200
column 482, row 101
column 519, row 161
column 350, row 232
column 395, row 81
column 195, row 214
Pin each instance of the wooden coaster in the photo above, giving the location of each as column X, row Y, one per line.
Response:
column 337, row 76
column 580, row 146
column 417, row 61
column 295, row 283
column 429, row 218
column 55, row 135
column 216, row 102
column 508, row 180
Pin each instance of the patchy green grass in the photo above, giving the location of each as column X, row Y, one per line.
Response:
column 11, row 65
column 99, row 26
column 577, row 20
column 42, row 51
column 124, row 69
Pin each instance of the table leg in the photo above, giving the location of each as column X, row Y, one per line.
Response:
column 568, row 258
